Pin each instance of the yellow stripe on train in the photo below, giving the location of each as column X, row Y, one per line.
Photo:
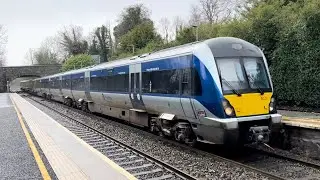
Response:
column 250, row 104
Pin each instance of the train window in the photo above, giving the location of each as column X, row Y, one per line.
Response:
column 196, row 85
column 232, row 75
column 57, row 83
column 65, row 84
column 110, row 83
column 164, row 82
column 186, row 81
column 77, row 84
column 44, row 83
column 132, row 82
column 256, row 73
column 138, row 82
column 190, row 82
column 146, row 82
column 121, row 82
column 97, row 83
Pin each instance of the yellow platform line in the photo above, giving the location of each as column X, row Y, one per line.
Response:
column 42, row 167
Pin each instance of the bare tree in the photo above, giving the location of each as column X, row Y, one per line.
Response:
column 215, row 10
column 178, row 24
column 49, row 52
column 29, row 57
column 165, row 26
column 110, row 40
column 44, row 55
column 195, row 17
column 3, row 43
column 53, row 45
column 41, row 55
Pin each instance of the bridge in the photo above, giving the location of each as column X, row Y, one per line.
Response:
column 10, row 73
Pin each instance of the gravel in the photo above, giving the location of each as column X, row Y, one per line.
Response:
column 305, row 143
column 281, row 167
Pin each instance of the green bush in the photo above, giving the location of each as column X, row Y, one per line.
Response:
column 295, row 68
column 77, row 62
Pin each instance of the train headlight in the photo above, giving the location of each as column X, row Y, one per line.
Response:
column 228, row 109
column 272, row 105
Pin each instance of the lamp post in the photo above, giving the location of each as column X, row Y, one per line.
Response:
column 197, row 31
column 132, row 48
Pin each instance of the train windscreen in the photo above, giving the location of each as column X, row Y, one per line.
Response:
column 243, row 75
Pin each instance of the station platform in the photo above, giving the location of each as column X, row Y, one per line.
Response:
column 301, row 119
column 67, row 155
column 16, row 158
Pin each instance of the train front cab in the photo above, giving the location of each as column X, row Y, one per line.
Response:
column 246, row 96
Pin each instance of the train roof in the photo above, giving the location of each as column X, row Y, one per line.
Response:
column 215, row 44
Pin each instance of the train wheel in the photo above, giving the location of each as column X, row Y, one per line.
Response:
column 69, row 102
column 74, row 104
column 84, row 107
column 183, row 133
column 154, row 128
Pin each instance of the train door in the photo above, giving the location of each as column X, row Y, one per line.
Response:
column 87, row 86
column 138, row 113
column 186, row 92
column 49, row 85
column 59, row 80
column 135, row 86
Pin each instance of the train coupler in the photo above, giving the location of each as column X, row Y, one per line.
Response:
column 259, row 134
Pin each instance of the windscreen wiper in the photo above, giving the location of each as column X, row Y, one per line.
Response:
column 259, row 89
column 232, row 88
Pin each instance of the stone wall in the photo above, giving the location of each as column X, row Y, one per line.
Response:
column 13, row 72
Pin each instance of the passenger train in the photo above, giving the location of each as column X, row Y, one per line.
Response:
column 214, row 91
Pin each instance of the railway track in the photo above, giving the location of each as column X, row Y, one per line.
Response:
column 138, row 163
column 115, row 149
column 300, row 161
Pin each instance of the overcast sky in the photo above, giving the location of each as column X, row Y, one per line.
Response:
column 29, row 22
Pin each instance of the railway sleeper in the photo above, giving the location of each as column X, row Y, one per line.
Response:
column 132, row 163
column 127, row 159
column 167, row 176
column 132, row 168
column 119, row 154
column 128, row 163
column 151, row 172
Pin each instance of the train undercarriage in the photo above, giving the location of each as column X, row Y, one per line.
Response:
column 169, row 126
